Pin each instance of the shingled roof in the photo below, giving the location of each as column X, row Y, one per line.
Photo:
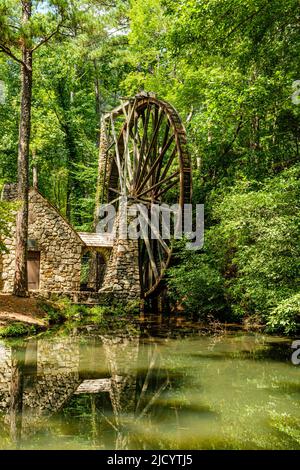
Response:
column 97, row 240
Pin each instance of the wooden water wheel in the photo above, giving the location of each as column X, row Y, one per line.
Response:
column 147, row 161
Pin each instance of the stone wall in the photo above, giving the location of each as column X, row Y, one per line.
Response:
column 59, row 245
column 122, row 276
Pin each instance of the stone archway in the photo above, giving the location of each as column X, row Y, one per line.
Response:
column 93, row 268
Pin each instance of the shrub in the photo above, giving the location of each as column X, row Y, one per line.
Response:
column 17, row 329
column 286, row 316
column 250, row 261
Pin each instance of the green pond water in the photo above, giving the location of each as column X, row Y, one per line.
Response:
column 149, row 386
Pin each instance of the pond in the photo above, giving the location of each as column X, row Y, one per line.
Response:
column 149, row 385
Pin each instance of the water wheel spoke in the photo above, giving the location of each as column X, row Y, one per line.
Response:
column 109, row 146
column 136, row 141
column 166, row 248
column 128, row 115
column 166, row 134
column 158, row 161
column 116, row 191
column 153, row 201
column 164, row 143
column 163, row 152
column 136, row 153
column 156, row 185
column 156, row 233
column 166, row 147
column 166, row 189
column 161, row 258
column 151, row 257
column 169, row 163
column 144, row 141
column 150, row 148
column 127, row 159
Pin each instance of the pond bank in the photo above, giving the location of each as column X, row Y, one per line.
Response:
column 28, row 316
column 19, row 316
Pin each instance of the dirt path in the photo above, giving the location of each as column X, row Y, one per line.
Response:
column 20, row 309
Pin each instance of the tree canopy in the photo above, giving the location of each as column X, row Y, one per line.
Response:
column 230, row 68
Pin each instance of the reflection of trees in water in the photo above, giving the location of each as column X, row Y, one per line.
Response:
column 126, row 391
column 42, row 384
column 22, row 372
column 16, row 393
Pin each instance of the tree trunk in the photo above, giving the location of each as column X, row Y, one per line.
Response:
column 255, row 130
column 20, row 280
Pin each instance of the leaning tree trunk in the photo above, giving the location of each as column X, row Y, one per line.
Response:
column 20, row 280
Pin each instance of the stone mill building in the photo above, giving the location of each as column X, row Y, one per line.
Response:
column 55, row 250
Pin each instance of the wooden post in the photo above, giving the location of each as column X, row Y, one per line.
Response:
column 35, row 177
column 34, row 170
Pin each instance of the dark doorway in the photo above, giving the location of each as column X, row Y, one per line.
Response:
column 33, row 270
column 93, row 266
column 101, row 268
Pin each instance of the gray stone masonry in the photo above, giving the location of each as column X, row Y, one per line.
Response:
column 122, row 277
column 59, row 245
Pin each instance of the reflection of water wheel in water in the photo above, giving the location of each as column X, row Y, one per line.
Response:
column 138, row 381
column 147, row 161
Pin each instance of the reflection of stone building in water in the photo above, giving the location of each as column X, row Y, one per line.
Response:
column 122, row 356
column 5, row 377
column 54, row 370
column 50, row 374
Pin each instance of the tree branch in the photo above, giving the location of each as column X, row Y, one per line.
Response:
column 47, row 38
column 236, row 133
column 248, row 18
column 8, row 52
column 117, row 30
